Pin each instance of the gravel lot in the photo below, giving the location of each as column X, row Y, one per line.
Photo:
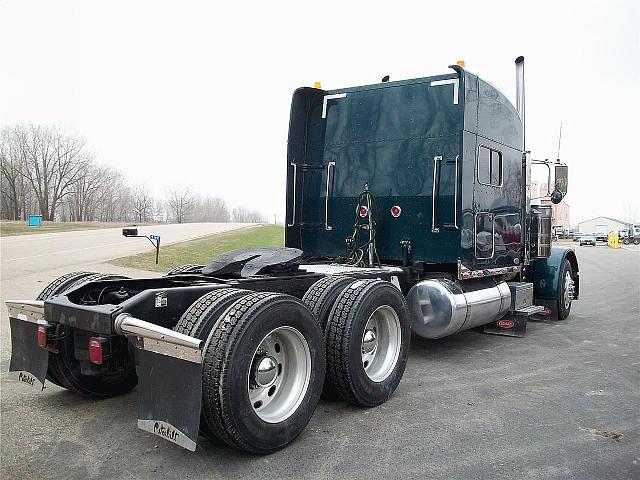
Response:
column 562, row 402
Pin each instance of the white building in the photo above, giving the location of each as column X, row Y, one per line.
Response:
column 601, row 225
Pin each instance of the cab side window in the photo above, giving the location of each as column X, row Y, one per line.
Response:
column 489, row 168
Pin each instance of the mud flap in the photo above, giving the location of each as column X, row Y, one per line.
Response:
column 511, row 326
column 170, row 393
column 515, row 323
column 28, row 359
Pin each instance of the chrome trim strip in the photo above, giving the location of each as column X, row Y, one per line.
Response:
column 26, row 310
column 168, row 432
column 464, row 273
column 456, row 87
column 172, row 350
column 293, row 213
column 491, row 149
column 326, row 198
column 330, row 97
column 475, row 235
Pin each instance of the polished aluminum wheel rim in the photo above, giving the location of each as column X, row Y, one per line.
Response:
column 381, row 342
column 568, row 290
column 279, row 374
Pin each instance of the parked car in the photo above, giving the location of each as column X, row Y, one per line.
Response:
column 602, row 237
column 577, row 236
column 588, row 239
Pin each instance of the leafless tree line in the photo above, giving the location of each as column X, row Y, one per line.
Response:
column 47, row 171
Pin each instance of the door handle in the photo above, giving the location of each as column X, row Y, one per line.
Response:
column 293, row 214
column 326, row 198
column 434, row 204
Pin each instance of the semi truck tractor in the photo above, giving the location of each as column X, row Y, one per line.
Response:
column 407, row 210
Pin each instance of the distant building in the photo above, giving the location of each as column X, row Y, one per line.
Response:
column 560, row 213
column 601, row 225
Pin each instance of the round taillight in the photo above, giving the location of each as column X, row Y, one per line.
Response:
column 364, row 211
column 396, row 211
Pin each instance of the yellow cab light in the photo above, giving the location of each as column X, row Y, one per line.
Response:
column 317, row 85
column 460, row 63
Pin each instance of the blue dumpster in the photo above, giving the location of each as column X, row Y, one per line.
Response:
column 35, row 220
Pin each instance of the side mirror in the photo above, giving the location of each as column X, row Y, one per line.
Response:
column 556, row 197
column 130, row 232
column 562, row 179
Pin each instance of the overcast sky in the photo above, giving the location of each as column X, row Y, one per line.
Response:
column 198, row 93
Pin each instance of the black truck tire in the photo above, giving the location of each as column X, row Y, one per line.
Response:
column 201, row 317
column 320, row 299
column 367, row 337
column 66, row 367
column 263, row 370
column 565, row 298
column 322, row 295
column 58, row 286
column 188, row 268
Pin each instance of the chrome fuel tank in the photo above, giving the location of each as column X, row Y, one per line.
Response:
column 441, row 307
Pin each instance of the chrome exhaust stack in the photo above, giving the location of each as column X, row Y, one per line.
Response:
column 520, row 96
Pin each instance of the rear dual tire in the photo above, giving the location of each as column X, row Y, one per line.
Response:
column 263, row 367
column 367, row 342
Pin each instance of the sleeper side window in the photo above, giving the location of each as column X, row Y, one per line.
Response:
column 489, row 166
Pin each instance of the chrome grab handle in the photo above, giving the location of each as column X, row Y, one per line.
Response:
column 434, row 229
column 326, row 198
column 293, row 214
column 455, row 196
column 125, row 324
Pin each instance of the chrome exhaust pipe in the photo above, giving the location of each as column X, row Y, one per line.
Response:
column 520, row 96
column 125, row 324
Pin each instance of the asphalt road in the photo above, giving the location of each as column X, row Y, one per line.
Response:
column 470, row 406
column 29, row 262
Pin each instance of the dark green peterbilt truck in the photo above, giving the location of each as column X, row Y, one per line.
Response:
column 408, row 209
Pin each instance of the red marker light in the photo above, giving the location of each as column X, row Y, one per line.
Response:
column 42, row 336
column 95, row 350
column 364, row 211
column 396, row 211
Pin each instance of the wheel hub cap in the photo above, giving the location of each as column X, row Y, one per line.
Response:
column 369, row 341
column 569, row 290
column 266, row 371
column 279, row 374
column 381, row 342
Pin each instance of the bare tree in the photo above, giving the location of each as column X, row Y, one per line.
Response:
column 142, row 203
column 12, row 180
column 180, row 202
column 53, row 160
column 244, row 215
column 211, row 209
